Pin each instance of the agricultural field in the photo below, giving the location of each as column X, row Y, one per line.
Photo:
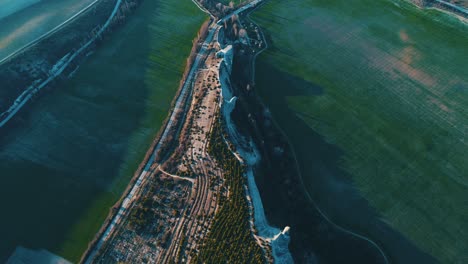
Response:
column 25, row 20
column 67, row 159
column 373, row 97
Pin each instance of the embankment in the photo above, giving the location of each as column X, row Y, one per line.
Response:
column 247, row 152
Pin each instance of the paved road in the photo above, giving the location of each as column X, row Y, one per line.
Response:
column 24, row 28
column 58, row 68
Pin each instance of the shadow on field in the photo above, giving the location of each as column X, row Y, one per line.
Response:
column 328, row 184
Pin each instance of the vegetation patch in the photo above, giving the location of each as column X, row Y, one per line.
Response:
column 230, row 239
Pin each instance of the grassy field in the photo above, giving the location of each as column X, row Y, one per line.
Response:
column 72, row 154
column 373, row 96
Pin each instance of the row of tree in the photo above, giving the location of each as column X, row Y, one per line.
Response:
column 230, row 239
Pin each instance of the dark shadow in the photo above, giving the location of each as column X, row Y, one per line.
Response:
column 313, row 238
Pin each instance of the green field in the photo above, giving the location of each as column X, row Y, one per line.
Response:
column 70, row 156
column 373, row 96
